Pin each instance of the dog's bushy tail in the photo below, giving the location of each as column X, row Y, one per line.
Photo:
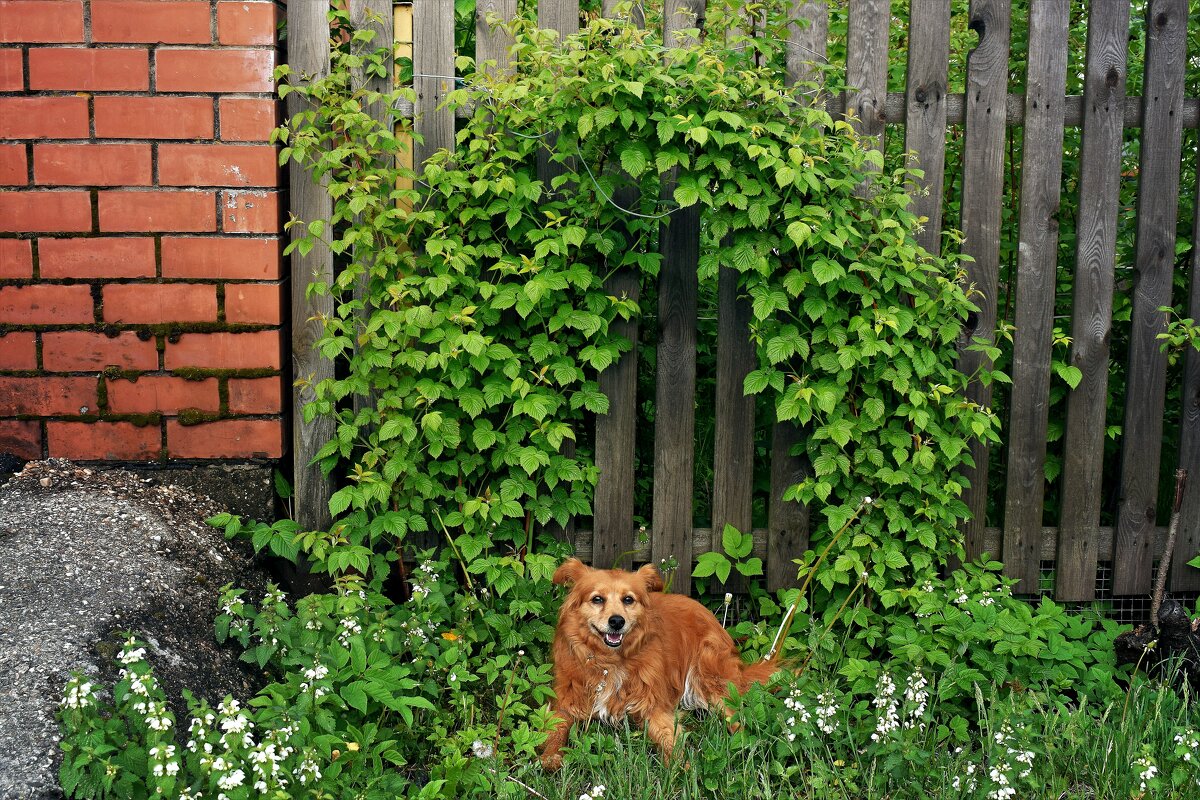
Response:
column 757, row 672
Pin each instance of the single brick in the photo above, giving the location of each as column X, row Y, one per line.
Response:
column 256, row 350
column 73, row 69
column 247, row 119
column 21, row 438
column 254, row 303
column 12, row 70
column 92, row 164
column 45, row 396
column 157, row 211
column 101, row 257
column 152, row 303
column 250, row 212
column 255, row 395
column 16, row 258
column 151, row 21
column 246, row 23
column 41, row 21
column 45, row 304
column 18, row 350
column 217, row 165
column 227, row 70
column 43, row 118
column 84, row 351
column 228, row 438
column 14, row 166
column 164, row 393
column 103, row 441
column 153, row 117
column 49, row 212
column 232, row 257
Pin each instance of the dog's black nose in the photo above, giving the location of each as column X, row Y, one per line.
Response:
column 615, row 623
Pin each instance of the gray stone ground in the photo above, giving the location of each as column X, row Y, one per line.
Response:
column 84, row 557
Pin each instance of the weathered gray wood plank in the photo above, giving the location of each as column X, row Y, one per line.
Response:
column 492, row 44
column 1091, row 317
column 983, row 193
column 1187, row 542
column 787, row 520
column 1158, row 209
column 808, row 37
column 675, row 394
column 925, row 110
column 895, row 110
column 433, row 75
column 308, row 55
column 559, row 15
column 616, row 431
column 1037, row 263
column 374, row 15
column 733, row 446
column 866, row 68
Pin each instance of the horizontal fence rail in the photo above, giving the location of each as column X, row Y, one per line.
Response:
column 930, row 116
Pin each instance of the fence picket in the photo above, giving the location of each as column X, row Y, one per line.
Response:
column 1158, row 195
column 1091, row 318
column 308, row 54
column 733, row 459
column 866, row 67
column 787, row 520
column 1037, row 261
column 433, row 75
column 925, row 114
column 982, row 196
column 374, row 15
column 675, row 396
column 1187, row 543
column 616, row 431
column 492, row 43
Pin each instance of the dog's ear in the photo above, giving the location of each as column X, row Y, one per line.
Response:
column 652, row 577
column 569, row 571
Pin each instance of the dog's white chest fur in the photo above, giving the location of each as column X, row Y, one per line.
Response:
column 609, row 685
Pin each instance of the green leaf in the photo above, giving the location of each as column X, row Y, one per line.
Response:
column 635, row 158
column 355, row 696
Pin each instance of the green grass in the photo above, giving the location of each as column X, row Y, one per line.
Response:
column 1080, row 752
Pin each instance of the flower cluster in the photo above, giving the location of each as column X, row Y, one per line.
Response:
column 1012, row 764
column 348, row 627
column 888, row 707
column 826, row 709
column 595, row 793
column 316, row 672
column 800, row 716
column 1147, row 772
column 422, row 580
column 78, row 694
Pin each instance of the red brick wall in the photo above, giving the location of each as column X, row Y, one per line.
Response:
column 140, row 298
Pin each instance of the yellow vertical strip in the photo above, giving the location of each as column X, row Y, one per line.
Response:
column 402, row 28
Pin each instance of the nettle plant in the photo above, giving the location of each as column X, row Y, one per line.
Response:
column 474, row 315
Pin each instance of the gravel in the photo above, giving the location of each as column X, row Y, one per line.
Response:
column 87, row 556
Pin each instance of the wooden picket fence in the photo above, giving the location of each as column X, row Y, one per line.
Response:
column 926, row 110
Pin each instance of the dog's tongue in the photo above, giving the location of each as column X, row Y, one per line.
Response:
column 612, row 639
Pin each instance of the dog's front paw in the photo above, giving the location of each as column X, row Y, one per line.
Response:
column 551, row 761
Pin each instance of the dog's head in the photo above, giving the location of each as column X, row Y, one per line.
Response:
column 605, row 609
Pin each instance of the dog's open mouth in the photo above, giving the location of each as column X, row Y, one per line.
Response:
column 611, row 639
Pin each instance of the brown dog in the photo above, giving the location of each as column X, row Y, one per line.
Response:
column 623, row 647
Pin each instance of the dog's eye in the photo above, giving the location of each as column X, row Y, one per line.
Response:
column 598, row 600
column 627, row 600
